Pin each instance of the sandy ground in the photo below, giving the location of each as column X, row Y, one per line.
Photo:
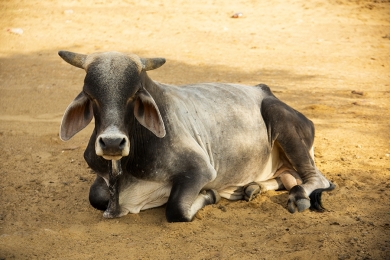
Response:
column 328, row 59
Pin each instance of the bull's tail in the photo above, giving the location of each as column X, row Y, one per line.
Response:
column 315, row 198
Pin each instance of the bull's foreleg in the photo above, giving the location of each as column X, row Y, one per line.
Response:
column 206, row 197
column 186, row 197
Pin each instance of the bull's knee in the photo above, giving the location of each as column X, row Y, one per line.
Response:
column 177, row 213
column 99, row 195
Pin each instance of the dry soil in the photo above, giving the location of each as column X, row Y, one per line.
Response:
column 328, row 59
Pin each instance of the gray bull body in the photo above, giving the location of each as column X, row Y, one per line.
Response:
column 156, row 144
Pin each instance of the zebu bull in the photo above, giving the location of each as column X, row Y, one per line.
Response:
column 186, row 146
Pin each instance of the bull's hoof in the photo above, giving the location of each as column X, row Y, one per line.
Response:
column 301, row 205
column 298, row 200
column 107, row 214
column 251, row 191
column 110, row 214
column 213, row 196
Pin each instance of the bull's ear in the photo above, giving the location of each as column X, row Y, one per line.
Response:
column 147, row 113
column 152, row 63
column 77, row 116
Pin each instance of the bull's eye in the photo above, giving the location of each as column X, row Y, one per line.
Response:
column 130, row 99
column 89, row 96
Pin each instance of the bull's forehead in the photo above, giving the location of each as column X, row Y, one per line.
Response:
column 111, row 73
column 107, row 61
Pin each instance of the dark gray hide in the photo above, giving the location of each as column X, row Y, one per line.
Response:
column 184, row 146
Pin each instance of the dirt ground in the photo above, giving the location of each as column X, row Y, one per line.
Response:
column 328, row 59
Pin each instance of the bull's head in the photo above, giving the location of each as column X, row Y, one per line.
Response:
column 112, row 93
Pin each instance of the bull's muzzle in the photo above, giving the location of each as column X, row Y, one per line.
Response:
column 112, row 146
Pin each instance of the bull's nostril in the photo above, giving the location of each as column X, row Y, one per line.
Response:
column 101, row 143
column 122, row 144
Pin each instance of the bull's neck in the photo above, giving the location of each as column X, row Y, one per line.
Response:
column 141, row 138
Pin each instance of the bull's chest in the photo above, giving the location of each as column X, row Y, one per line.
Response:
column 147, row 170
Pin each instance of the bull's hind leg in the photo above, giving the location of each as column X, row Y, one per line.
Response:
column 289, row 177
column 254, row 189
column 295, row 135
column 284, row 178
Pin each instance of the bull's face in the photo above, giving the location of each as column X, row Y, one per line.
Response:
column 113, row 94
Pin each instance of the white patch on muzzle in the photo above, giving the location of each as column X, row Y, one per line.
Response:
column 112, row 133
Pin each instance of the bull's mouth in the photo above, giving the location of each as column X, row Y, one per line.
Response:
column 112, row 157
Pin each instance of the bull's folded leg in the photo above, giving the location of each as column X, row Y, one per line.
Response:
column 99, row 194
column 204, row 198
column 186, row 199
column 113, row 210
column 288, row 179
column 182, row 213
column 253, row 189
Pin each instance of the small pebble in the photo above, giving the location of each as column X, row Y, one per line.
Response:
column 18, row 31
column 236, row 15
column 361, row 93
column 198, row 215
column 222, row 208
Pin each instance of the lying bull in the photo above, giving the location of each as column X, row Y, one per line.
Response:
column 186, row 147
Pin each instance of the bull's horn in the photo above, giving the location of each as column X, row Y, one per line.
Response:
column 75, row 59
column 152, row 63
